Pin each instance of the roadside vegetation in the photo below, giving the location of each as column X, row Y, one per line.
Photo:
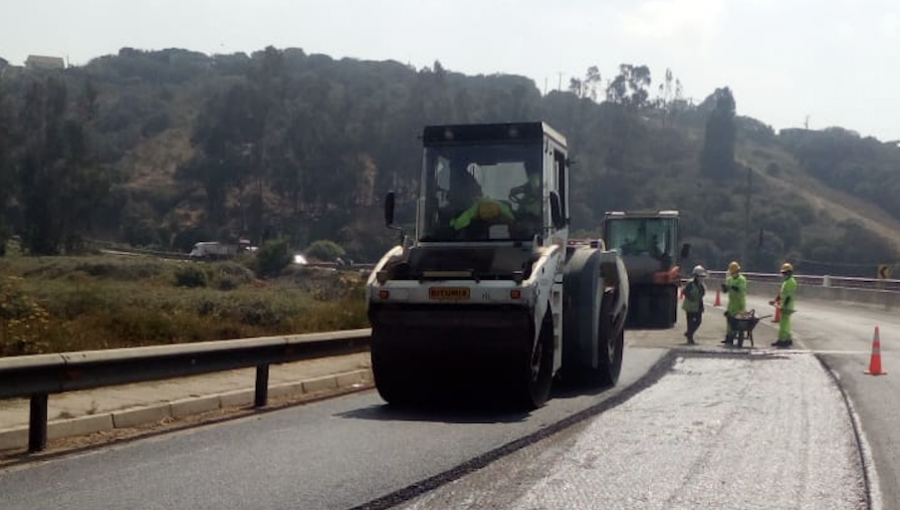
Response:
column 57, row 304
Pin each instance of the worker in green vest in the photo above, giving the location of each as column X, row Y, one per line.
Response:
column 788, row 297
column 693, row 303
column 736, row 287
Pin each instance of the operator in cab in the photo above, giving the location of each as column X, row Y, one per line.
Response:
column 522, row 213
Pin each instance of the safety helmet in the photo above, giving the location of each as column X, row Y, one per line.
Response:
column 734, row 267
column 787, row 268
column 698, row 271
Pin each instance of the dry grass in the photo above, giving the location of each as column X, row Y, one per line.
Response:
column 834, row 203
column 102, row 302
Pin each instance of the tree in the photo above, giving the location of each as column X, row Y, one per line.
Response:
column 221, row 134
column 717, row 158
column 670, row 98
column 325, row 250
column 42, row 164
column 7, row 178
column 629, row 87
column 586, row 87
column 273, row 257
column 61, row 184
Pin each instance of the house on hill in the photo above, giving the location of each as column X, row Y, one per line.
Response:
column 5, row 67
column 44, row 62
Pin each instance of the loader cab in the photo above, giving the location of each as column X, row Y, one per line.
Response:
column 492, row 183
column 656, row 237
column 648, row 241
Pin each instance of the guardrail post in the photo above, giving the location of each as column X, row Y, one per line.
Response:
column 826, row 281
column 37, row 423
column 262, row 386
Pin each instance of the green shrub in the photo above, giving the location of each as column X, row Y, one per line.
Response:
column 273, row 257
column 259, row 313
column 236, row 272
column 325, row 250
column 227, row 283
column 137, row 325
column 82, row 300
column 157, row 123
column 121, row 270
column 190, row 276
column 206, row 306
column 23, row 322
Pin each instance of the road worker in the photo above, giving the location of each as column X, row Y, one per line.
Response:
column 736, row 287
column 788, row 299
column 693, row 302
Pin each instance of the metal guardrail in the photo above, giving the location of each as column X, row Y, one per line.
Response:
column 38, row 376
column 117, row 249
column 840, row 282
column 114, row 249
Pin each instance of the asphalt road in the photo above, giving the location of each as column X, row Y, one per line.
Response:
column 715, row 430
column 336, row 454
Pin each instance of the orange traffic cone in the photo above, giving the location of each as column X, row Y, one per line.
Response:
column 777, row 317
column 718, row 298
column 875, row 361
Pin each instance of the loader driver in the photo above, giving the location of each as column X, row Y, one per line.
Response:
column 643, row 244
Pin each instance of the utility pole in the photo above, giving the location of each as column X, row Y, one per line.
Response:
column 745, row 251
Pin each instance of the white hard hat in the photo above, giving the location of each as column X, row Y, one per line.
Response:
column 698, row 271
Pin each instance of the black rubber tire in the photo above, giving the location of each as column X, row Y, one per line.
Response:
column 584, row 345
column 665, row 307
column 672, row 297
column 394, row 388
column 536, row 375
column 612, row 345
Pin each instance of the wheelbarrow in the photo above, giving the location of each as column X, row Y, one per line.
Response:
column 742, row 325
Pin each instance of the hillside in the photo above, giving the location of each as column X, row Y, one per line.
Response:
column 163, row 149
column 844, row 206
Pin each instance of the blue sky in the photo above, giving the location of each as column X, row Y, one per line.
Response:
column 833, row 61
